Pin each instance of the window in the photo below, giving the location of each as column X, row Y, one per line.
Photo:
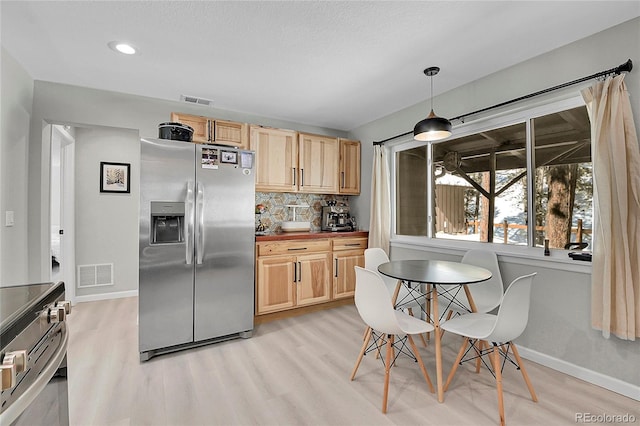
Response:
column 483, row 182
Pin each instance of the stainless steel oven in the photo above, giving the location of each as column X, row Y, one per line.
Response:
column 34, row 355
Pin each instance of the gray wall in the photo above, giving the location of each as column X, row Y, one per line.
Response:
column 560, row 324
column 106, row 225
column 114, row 122
column 15, row 108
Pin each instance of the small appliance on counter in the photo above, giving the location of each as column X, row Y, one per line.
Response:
column 336, row 217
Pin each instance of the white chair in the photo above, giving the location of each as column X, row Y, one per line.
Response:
column 500, row 330
column 486, row 294
column 374, row 257
column 385, row 323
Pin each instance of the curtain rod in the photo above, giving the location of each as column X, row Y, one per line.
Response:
column 626, row 67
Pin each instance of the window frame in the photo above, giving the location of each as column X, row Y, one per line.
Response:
column 524, row 114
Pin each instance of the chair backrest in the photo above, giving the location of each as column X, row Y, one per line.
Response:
column 486, row 294
column 374, row 302
column 513, row 314
column 374, row 257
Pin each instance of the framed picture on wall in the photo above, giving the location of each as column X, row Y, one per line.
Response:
column 114, row 177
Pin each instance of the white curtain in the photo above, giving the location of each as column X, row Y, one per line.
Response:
column 615, row 287
column 380, row 223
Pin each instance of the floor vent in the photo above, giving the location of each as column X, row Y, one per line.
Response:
column 95, row 275
column 196, row 100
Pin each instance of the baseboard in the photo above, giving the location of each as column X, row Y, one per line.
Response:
column 590, row 376
column 106, row 296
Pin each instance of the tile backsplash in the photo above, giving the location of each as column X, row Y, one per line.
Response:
column 276, row 212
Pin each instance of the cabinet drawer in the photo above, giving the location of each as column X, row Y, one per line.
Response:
column 349, row 243
column 293, row 247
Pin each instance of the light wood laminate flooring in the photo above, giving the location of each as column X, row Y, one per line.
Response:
column 296, row 371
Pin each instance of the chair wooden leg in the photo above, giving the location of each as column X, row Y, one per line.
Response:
column 449, row 315
column 497, row 371
column 387, row 372
column 479, row 351
column 366, row 331
column 465, row 342
column 524, row 373
column 367, row 338
column 424, row 342
column 420, row 363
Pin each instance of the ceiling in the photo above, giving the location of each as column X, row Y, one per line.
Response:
column 337, row 64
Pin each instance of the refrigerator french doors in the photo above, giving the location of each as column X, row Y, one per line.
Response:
column 196, row 280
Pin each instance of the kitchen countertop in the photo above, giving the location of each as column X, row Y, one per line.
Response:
column 310, row 235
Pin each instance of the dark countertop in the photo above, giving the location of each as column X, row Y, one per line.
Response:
column 310, row 235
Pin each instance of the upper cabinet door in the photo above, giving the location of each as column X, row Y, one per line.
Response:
column 318, row 160
column 276, row 160
column 230, row 133
column 201, row 126
column 349, row 167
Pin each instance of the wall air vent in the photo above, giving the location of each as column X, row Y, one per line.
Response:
column 196, row 100
column 95, row 275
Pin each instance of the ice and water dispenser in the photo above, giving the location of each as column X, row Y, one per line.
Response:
column 167, row 222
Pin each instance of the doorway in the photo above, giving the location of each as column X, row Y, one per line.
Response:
column 62, row 222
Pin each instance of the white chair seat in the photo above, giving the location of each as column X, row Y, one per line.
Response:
column 411, row 325
column 474, row 326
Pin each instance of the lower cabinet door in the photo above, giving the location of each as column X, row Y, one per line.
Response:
column 313, row 278
column 344, row 275
column 276, row 286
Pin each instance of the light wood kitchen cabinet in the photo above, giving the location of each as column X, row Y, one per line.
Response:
column 275, row 286
column 347, row 253
column 292, row 274
column 276, row 159
column 349, row 167
column 314, row 278
column 287, row 161
column 212, row 130
column 230, row 133
column 318, row 160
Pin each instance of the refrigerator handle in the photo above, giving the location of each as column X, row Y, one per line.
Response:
column 189, row 223
column 200, row 218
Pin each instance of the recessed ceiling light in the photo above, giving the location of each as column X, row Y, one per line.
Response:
column 122, row 47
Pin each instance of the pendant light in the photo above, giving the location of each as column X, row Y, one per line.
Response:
column 432, row 128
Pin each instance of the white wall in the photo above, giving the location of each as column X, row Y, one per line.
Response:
column 106, row 228
column 15, row 107
column 559, row 333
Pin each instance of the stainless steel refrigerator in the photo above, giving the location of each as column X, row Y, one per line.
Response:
column 196, row 279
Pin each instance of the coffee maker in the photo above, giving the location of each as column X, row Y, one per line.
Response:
column 336, row 217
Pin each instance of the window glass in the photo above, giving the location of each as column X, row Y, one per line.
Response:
column 563, row 179
column 480, row 186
